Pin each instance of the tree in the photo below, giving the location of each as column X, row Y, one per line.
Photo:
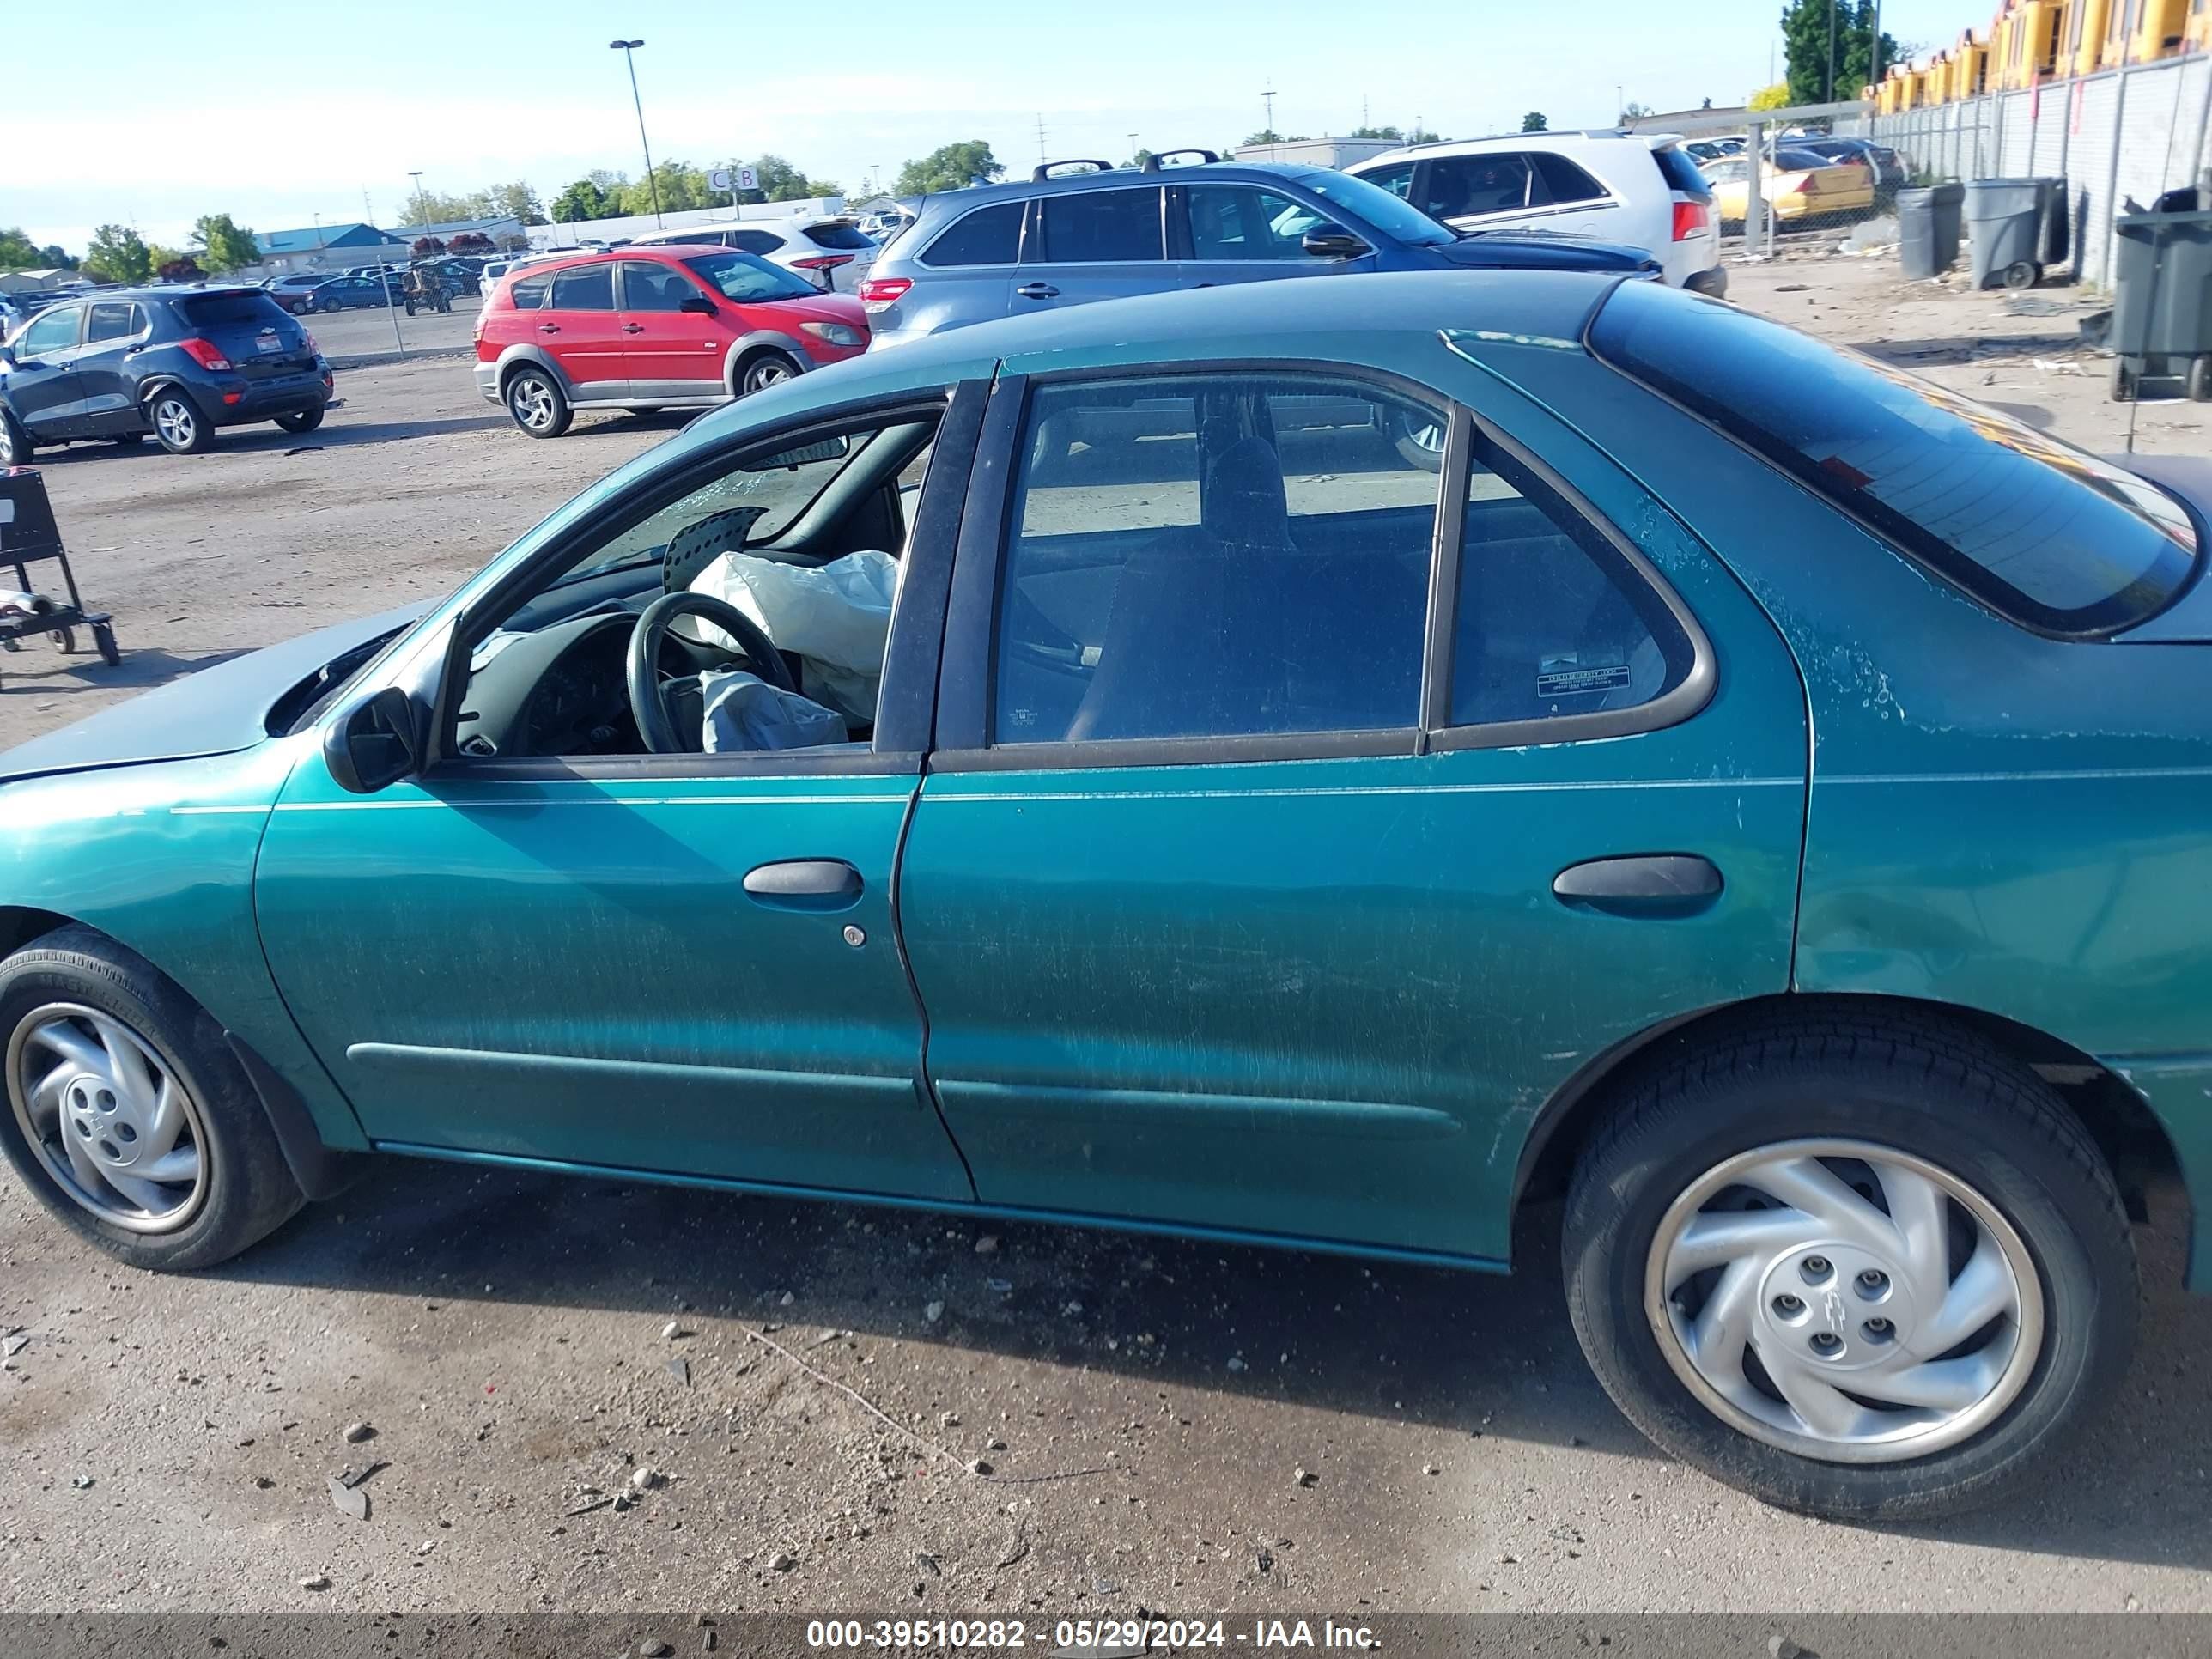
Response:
column 182, row 268
column 1265, row 136
column 586, row 198
column 219, row 245
column 470, row 241
column 17, row 253
column 1774, row 97
column 427, row 247
column 1806, row 27
column 1534, row 121
column 950, row 166
column 1418, row 134
column 1377, row 132
column 515, row 201
column 513, row 243
column 117, row 252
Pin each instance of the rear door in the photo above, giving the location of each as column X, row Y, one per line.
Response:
column 43, row 388
column 963, row 273
column 115, row 334
column 1233, row 893
column 1094, row 244
column 1232, row 233
column 670, row 353
column 581, row 332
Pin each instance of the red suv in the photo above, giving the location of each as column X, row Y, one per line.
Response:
column 644, row 329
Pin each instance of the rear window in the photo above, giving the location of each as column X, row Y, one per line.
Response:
column 845, row 238
column 1682, row 173
column 988, row 236
column 222, row 310
column 2045, row 534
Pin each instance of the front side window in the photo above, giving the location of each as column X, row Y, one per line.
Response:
column 1397, row 179
column 2045, row 534
column 1465, row 186
column 1224, row 556
column 56, row 330
column 1551, row 620
column 586, row 288
column 1242, row 222
column 988, row 236
column 648, row 286
column 1105, row 227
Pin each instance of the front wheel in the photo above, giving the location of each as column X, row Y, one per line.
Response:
column 1420, row 440
column 1863, row 1268
column 16, row 448
column 131, row 1120
column 537, row 404
column 768, row 369
column 179, row 424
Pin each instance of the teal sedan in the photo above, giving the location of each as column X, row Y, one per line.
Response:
column 1723, row 793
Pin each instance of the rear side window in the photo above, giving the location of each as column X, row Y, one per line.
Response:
column 1680, row 171
column 1102, row 227
column 2045, row 534
column 752, row 241
column 1462, row 185
column 112, row 319
column 1221, row 556
column 845, row 238
column 529, row 293
column 586, row 287
column 1562, row 183
column 220, row 310
column 988, row 236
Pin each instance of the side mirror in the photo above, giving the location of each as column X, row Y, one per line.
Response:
column 697, row 302
column 1335, row 242
column 375, row 743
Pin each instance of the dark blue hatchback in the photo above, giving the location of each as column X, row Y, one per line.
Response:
column 174, row 361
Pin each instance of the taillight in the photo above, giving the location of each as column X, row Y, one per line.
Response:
column 206, row 352
column 1691, row 219
column 822, row 262
column 1802, row 187
column 877, row 293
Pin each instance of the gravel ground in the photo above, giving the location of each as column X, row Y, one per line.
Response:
column 808, row 1438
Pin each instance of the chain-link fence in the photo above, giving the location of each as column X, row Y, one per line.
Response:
column 2137, row 131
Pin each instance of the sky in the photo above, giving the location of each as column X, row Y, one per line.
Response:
column 277, row 115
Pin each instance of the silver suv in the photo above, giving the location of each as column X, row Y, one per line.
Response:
column 1067, row 239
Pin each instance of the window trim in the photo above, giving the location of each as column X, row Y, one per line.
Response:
column 448, row 765
column 968, row 661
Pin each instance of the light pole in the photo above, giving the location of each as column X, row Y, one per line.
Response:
column 626, row 48
column 415, row 207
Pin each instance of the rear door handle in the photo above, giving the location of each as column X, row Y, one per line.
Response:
column 1038, row 291
column 805, row 883
column 1644, row 884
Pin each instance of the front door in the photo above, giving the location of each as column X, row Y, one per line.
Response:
column 581, row 331
column 551, row 947
column 42, row 386
column 670, row 353
column 1285, row 876
column 1247, row 234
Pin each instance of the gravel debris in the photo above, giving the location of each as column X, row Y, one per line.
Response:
column 357, row 1433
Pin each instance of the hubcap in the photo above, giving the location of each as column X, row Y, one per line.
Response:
column 765, row 374
column 174, row 420
column 112, row 1125
column 7, row 445
column 1843, row 1301
column 533, row 403
column 1428, row 435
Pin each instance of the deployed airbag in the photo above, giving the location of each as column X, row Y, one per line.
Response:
column 743, row 712
column 835, row 618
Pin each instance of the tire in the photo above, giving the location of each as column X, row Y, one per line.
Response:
column 242, row 1189
column 16, row 448
column 62, row 639
column 1418, row 446
column 124, row 439
column 762, row 370
column 410, row 307
column 180, row 427
column 1937, row 1110
column 2124, row 381
column 103, row 640
column 304, row 420
column 2021, row 274
column 2200, row 380
column 538, row 404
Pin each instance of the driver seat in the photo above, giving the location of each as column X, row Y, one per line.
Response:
column 703, row 541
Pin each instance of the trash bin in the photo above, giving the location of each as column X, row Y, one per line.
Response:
column 2162, row 300
column 1915, row 235
column 2005, row 217
column 1950, row 203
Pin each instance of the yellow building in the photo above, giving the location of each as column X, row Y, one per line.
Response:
column 2139, row 31
column 2082, row 42
column 1970, row 67
column 2198, row 37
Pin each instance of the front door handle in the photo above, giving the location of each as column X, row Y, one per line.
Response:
column 1645, row 884
column 633, row 328
column 1038, row 291
column 805, row 883
column 549, row 328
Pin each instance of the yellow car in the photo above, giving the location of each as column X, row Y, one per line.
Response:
column 1799, row 186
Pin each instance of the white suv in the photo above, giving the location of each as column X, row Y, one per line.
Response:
column 827, row 249
column 1636, row 188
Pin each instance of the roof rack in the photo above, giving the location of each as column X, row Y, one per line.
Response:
column 1044, row 168
column 1152, row 160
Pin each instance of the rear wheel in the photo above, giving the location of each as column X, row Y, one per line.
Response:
column 2200, row 380
column 1419, row 440
column 2022, row 274
column 131, row 1120
column 536, row 401
column 1865, row 1269
column 301, row 419
column 177, row 423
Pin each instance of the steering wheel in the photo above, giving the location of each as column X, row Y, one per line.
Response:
column 643, row 671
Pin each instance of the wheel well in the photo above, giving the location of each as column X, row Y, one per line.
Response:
column 2134, row 1143
column 507, row 375
column 752, row 354
column 20, row 925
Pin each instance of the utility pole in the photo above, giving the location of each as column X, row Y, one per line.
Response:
column 1040, row 126
column 1873, row 52
column 628, row 50
column 1267, row 102
column 1831, row 98
column 415, row 207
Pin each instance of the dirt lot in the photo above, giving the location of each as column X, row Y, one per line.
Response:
column 170, row 1440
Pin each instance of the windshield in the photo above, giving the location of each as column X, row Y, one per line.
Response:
column 2047, row 535
column 1379, row 208
column 747, row 279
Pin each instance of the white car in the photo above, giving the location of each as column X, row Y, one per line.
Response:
column 1636, row 188
column 829, row 249
column 488, row 278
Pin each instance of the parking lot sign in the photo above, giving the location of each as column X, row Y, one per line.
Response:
column 734, row 179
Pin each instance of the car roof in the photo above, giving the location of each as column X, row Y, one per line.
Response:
column 1584, row 139
column 1071, row 183
column 164, row 291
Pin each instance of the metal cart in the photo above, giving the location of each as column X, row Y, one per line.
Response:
column 28, row 537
